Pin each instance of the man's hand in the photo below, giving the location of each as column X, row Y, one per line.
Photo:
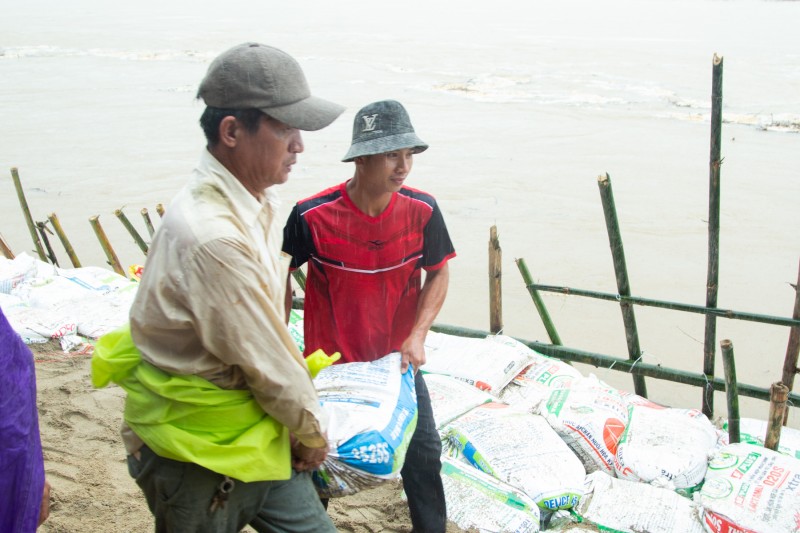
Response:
column 412, row 351
column 44, row 510
column 305, row 458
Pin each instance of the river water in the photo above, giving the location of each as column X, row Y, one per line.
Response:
column 524, row 105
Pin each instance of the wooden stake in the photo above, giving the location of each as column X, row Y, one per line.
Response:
column 147, row 222
column 110, row 254
column 160, row 210
column 5, row 249
column 538, row 303
column 27, row 213
column 623, row 285
column 793, row 348
column 779, row 393
column 731, row 389
column 128, row 226
column 712, row 283
column 64, row 241
column 51, row 256
column 495, row 282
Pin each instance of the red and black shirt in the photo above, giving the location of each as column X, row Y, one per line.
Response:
column 364, row 272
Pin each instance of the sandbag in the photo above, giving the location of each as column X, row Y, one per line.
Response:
column 372, row 414
column 666, row 446
column 483, row 363
column 753, row 431
column 451, row 398
column 750, row 489
column 590, row 417
column 621, row 505
column 542, row 370
column 534, row 384
column 476, row 500
column 522, row 450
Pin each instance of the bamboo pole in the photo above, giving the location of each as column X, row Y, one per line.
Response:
column 623, row 284
column 731, row 391
column 675, row 306
column 793, row 347
column 538, row 303
column 712, row 284
column 27, row 213
column 51, row 256
column 147, row 222
column 779, row 394
column 128, row 226
column 160, row 210
column 495, row 282
column 573, row 355
column 64, row 240
column 6, row 249
column 110, row 254
column 300, row 278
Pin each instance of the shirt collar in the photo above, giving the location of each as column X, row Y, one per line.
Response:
column 243, row 202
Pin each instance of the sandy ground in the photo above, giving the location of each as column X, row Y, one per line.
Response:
column 85, row 461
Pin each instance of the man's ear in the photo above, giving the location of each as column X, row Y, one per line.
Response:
column 228, row 131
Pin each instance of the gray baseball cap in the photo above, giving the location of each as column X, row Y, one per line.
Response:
column 382, row 127
column 257, row 76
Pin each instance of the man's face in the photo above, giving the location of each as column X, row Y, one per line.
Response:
column 386, row 172
column 265, row 158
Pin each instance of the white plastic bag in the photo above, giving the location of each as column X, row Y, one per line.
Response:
column 749, row 488
column 484, row 363
column 372, row 413
column 590, row 416
column 620, row 505
column 665, row 445
column 522, row 450
column 451, row 398
column 476, row 500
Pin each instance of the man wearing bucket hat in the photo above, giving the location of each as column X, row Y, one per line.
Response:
column 366, row 242
column 222, row 421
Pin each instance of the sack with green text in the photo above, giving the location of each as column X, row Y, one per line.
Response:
column 521, row 449
column 372, row 414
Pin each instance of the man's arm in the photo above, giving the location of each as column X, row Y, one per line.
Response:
column 430, row 302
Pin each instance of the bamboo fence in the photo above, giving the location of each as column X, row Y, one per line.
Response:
column 779, row 395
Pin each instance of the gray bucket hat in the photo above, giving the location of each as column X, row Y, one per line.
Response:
column 257, row 76
column 381, row 127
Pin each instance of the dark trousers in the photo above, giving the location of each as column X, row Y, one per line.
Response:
column 180, row 494
column 422, row 478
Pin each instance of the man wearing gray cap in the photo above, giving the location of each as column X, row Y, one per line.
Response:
column 366, row 242
column 223, row 423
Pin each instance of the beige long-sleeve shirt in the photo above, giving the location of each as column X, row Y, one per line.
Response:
column 211, row 301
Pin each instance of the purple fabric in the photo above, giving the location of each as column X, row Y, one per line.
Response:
column 21, row 463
